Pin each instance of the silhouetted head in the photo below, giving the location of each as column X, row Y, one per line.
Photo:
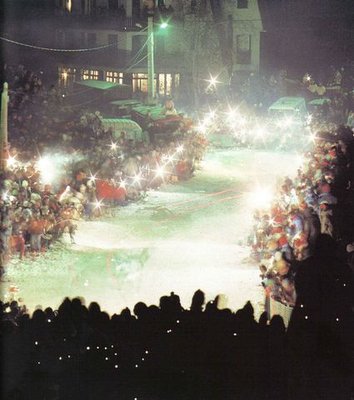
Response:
column 94, row 308
column 263, row 319
column 140, row 309
column 126, row 314
column 277, row 324
column 38, row 316
column 198, row 300
column 248, row 310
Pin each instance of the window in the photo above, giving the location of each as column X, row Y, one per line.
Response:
column 242, row 3
column 66, row 76
column 89, row 74
column 140, row 82
column 243, row 49
column 165, row 84
column 113, row 76
column 176, row 80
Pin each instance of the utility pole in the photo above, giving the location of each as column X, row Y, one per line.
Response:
column 3, row 129
column 151, row 61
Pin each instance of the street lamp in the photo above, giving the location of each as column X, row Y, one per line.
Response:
column 151, row 62
column 151, row 56
column 3, row 129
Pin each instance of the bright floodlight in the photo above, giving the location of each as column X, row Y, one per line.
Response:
column 98, row 204
column 47, row 169
column 261, row 198
column 170, row 158
column 201, row 127
column 164, row 25
column 260, row 132
column 231, row 115
column 122, row 184
column 212, row 81
column 309, row 119
column 312, row 137
column 113, row 146
column 288, row 121
column 308, row 77
column 92, row 178
column 137, row 178
column 11, row 162
column 285, row 122
column 5, row 196
column 160, row 171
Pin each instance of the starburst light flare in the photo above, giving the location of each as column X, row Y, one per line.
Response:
column 47, row 169
column 159, row 171
column 212, row 82
column 261, row 198
column 113, row 146
column 5, row 196
column 180, row 148
column 170, row 159
column 122, row 184
column 11, row 162
column 98, row 204
column 137, row 178
column 93, row 178
column 260, row 132
column 308, row 77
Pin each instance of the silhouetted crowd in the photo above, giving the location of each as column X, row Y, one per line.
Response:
column 206, row 351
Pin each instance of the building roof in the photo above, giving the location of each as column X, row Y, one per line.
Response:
column 101, row 85
column 288, row 103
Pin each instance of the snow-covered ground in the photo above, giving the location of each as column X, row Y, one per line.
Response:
column 182, row 238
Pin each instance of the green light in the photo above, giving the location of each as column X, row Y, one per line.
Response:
column 164, row 25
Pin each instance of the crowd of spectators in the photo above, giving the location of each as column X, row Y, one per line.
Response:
column 320, row 199
column 65, row 165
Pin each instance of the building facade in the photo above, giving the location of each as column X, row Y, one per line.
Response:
column 203, row 37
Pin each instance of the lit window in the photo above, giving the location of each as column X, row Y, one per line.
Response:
column 176, row 80
column 161, row 84
column 140, row 82
column 113, row 76
column 66, row 75
column 89, row 74
column 165, row 84
column 168, row 83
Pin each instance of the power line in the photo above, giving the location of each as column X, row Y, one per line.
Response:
column 138, row 53
column 57, row 50
column 133, row 65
